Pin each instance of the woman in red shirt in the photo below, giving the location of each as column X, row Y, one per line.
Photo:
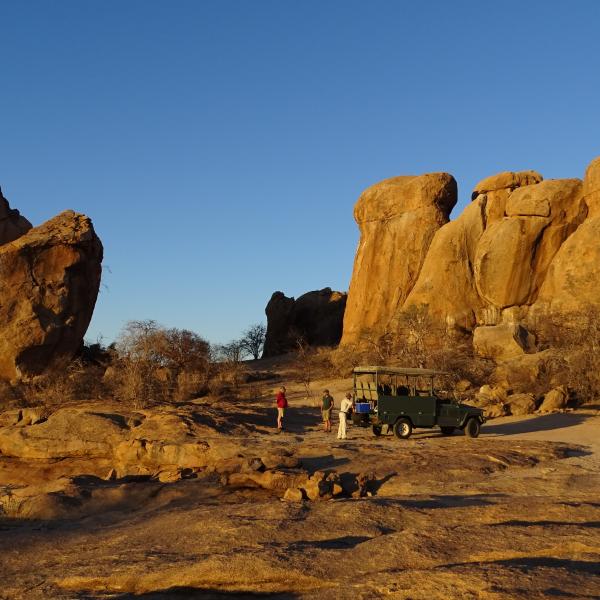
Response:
column 281, row 406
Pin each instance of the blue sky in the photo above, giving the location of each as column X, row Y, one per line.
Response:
column 219, row 146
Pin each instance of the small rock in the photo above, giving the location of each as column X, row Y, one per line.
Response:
column 311, row 488
column 169, row 475
column 555, row 399
column 255, row 464
column 293, row 495
column 337, row 489
column 521, row 404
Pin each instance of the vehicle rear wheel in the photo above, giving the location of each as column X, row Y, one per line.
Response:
column 377, row 430
column 402, row 429
column 472, row 427
column 447, row 430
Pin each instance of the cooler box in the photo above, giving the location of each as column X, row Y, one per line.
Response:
column 363, row 407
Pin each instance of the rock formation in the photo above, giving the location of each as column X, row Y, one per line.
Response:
column 523, row 248
column 397, row 218
column 49, row 281
column 12, row 224
column 316, row 317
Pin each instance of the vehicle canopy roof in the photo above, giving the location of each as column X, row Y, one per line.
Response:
column 371, row 370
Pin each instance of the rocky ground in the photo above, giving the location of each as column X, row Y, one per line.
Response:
column 187, row 502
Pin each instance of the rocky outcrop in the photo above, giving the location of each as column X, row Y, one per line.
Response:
column 572, row 280
column 515, row 251
column 397, row 219
column 12, row 224
column 483, row 267
column 523, row 250
column 49, row 281
column 316, row 317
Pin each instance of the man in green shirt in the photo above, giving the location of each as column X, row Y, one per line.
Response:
column 326, row 408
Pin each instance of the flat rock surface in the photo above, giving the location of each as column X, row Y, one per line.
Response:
column 512, row 514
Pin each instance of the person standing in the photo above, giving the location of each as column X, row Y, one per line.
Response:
column 345, row 408
column 326, row 408
column 282, row 404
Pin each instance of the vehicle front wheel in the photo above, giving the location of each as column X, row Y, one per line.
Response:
column 447, row 430
column 402, row 429
column 377, row 430
column 472, row 427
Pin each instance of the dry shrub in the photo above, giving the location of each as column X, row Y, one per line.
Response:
column 10, row 396
column 78, row 382
column 310, row 364
column 575, row 360
column 417, row 341
column 156, row 364
column 343, row 360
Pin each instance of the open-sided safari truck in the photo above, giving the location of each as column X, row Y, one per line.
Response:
column 402, row 399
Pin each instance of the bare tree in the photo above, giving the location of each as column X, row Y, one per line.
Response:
column 253, row 339
column 305, row 364
column 231, row 356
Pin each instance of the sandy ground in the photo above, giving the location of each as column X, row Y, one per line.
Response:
column 513, row 514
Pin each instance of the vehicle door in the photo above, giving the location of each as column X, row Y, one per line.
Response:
column 449, row 414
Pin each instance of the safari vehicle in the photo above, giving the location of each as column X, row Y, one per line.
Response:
column 403, row 399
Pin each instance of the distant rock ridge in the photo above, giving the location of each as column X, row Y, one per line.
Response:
column 315, row 317
column 49, row 282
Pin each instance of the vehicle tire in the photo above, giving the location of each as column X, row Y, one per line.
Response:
column 402, row 429
column 377, row 430
column 472, row 427
column 447, row 430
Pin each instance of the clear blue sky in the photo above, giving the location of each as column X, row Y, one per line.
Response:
column 219, row 146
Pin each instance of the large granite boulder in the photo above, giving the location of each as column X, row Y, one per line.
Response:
column 572, row 282
column 591, row 187
column 515, row 251
column 502, row 341
column 49, row 281
column 446, row 284
column 497, row 188
column 397, row 219
column 315, row 317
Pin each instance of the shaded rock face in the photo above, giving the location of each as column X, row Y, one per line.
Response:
column 49, row 282
column 12, row 224
column 316, row 317
column 398, row 219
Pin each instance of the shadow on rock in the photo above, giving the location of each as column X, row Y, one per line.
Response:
column 177, row 593
column 346, row 541
column 328, row 461
column 542, row 423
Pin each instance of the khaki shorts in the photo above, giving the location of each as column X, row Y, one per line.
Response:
column 280, row 412
column 326, row 412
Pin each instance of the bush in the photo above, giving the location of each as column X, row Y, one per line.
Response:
column 575, row 341
column 157, row 364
